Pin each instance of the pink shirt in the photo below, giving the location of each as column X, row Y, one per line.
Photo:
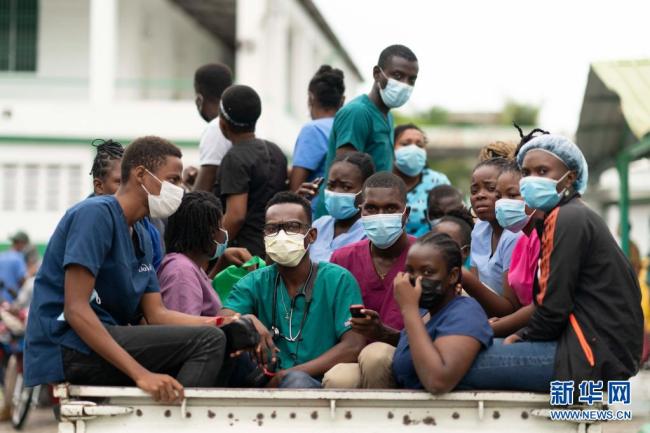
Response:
column 186, row 288
column 377, row 294
column 523, row 266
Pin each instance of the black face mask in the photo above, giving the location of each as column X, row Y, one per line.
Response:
column 432, row 293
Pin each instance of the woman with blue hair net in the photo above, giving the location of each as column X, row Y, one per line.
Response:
column 587, row 323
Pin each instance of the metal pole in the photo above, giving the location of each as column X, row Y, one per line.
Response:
column 623, row 165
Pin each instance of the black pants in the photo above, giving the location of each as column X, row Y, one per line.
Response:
column 193, row 355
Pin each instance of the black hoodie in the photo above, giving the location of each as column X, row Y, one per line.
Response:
column 587, row 297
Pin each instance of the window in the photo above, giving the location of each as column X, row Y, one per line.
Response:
column 18, row 26
column 30, row 199
column 9, row 181
column 52, row 176
column 74, row 184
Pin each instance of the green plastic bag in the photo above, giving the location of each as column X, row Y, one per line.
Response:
column 227, row 278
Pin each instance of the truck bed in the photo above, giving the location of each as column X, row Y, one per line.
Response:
column 125, row 410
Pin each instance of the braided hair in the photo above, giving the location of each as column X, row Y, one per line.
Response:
column 107, row 152
column 328, row 87
column 192, row 227
column 447, row 247
column 497, row 149
column 526, row 138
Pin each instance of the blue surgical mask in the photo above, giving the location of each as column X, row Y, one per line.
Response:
column 410, row 159
column 383, row 230
column 221, row 248
column 541, row 192
column 340, row 205
column 396, row 93
column 511, row 214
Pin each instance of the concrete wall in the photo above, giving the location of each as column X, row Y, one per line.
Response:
column 280, row 49
column 159, row 46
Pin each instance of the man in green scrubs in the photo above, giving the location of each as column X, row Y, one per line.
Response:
column 301, row 309
column 365, row 124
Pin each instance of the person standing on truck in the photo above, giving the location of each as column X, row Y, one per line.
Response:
column 587, row 323
column 375, row 262
column 209, row 83
column 97, row 278
column 325, row 97
column 251, row 172
column 300, row 308
column 106, row 173
column 366, row 124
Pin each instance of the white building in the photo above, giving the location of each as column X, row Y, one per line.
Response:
column 75, row 70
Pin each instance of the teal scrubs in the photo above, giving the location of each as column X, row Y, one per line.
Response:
column 361, row 125
column 335, row 289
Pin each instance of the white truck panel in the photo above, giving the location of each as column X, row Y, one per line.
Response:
column 128, row 410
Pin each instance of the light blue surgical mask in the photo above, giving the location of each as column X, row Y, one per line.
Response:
column 410, row 159
column 341, row 205
column 396, row 93
column 541, row 192
column 383, row 230
column 221, row 248
column 511, row 214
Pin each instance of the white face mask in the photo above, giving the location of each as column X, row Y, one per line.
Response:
column 167, row 202
column 284, row 249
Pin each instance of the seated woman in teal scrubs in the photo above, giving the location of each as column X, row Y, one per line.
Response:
column 342, row 197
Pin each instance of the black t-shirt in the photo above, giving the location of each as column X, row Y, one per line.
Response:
column 258, row 168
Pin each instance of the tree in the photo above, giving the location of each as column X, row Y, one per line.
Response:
column 520, row 113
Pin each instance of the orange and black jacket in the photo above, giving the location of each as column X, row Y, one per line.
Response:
column 587, row 297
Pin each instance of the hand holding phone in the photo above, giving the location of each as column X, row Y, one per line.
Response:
column 355, row 311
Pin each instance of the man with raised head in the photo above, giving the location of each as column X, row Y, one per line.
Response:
column 366, row 124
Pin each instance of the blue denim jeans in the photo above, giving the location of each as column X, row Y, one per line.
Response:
column 523, row 366
column 299, row 379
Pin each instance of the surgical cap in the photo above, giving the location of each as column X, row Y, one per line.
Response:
column 563, row 149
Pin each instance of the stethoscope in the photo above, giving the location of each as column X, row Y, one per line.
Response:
column 305, row 292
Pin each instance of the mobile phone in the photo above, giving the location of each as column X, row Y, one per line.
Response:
column 219, row 320
column 355, row 311
column 318, row 181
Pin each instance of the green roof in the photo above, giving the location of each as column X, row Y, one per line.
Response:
column 615, row 111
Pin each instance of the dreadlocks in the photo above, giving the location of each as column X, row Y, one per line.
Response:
column 526, row 138
column 107, row 152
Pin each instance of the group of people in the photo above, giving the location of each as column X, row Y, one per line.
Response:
column 381, row 276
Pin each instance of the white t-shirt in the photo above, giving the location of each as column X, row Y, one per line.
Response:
column 213, row 146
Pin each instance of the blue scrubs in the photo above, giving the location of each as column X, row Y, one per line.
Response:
column 93, row 234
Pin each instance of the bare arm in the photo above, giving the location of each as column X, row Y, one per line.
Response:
column 78, row 286
column 511, row 323
column 442, row 363
column 493, row 303
column 206, row 178
column 439, row 364
column 297, row 177
column 236, row 208
column 372, row 328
